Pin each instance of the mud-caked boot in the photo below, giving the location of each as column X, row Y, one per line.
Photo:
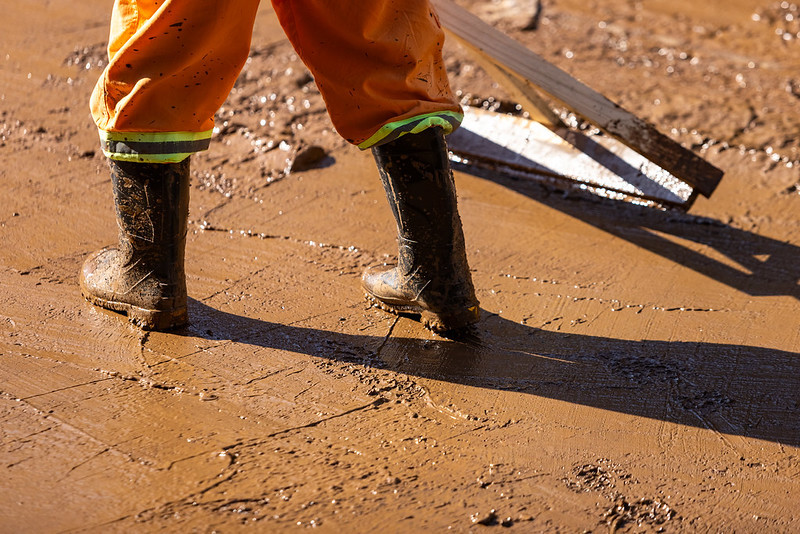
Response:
column 143, row 276
column 432, row 278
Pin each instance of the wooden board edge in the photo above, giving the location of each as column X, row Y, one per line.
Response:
column 513, row 57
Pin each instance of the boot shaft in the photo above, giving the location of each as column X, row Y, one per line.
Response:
column 143, row 276
column 152, row 203
column 415, row 172
column 432, row 275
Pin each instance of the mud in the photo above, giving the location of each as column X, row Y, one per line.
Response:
column 634, row 370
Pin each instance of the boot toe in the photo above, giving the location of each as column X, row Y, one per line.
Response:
column 138, row 295
column 92, row 280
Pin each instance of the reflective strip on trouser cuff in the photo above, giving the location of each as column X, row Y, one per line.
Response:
column 153, row 147
column 447, row 120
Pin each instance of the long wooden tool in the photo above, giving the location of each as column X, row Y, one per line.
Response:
column 508, row 56
column 565, row 158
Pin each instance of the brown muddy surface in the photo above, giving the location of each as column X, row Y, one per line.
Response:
column 634, row 370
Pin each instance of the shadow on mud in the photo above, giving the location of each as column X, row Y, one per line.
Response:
column 731, row 389
column 753, row 264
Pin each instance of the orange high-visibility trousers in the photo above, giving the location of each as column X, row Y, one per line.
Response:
column 378, row 65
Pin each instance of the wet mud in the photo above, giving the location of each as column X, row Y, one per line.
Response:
column 634, row 371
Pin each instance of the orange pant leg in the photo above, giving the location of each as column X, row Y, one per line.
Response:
column 378, row 64
column 172, row 65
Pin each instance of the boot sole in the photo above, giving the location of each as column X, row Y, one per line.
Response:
column 433, row 321
column 142, row 317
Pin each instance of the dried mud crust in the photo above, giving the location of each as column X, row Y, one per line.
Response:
column 611, row 481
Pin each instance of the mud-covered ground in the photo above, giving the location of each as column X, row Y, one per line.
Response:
column 634, row 370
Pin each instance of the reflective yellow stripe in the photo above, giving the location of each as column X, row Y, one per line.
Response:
column 447, row 120
column 154, row 137
column 153, row 147
column 149, row 158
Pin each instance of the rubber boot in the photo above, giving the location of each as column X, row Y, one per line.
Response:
column 143, row 276
column 432, row 278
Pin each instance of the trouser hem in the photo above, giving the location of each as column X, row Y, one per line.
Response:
column 447, row 120
column 153, row 147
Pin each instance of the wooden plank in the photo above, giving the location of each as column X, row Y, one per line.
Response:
column 524, row 93
column 598, row 163
column 513, row 57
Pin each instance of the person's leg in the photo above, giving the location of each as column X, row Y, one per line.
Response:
column 378, row 65
column 171, row 66
column 143, row 275
column 379, row 68
column 432, row 277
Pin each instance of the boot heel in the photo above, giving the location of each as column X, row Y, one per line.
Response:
column 157, row 319
column 444, row 322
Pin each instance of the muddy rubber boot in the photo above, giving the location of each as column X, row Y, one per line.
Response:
column 432, row 278
column 143, row 276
